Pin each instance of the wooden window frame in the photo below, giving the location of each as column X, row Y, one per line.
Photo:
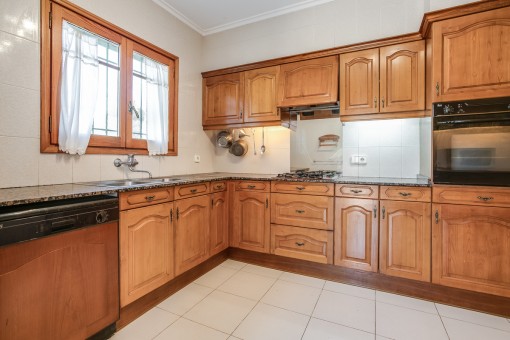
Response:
column 52, row 14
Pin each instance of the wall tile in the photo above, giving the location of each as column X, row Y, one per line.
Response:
column 21, row 18
column 55, row 169
column 369, row 133
column 350, row 136
column 390, row 132
column 86, row 168
column 410, row 132
column 390, row 164
column 19, row 61
column 20, row 162
column 371, row 169
column 108, row 170
column 411, row 162
column 20, row 111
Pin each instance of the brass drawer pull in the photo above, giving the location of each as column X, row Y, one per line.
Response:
column 251, row 186
column 405, row 194
column 219, row 187
column 300, row 188
column 300, row 244
column 193, row 191
column 300, row 211
column 485, row 198
column 150, row 198
column 356, row 191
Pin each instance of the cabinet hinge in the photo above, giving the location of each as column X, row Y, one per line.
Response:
column 49, row 123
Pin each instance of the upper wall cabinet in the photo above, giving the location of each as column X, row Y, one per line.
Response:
column 309, row 82
column 383, row 80
column 471, row 56
column 242, row 98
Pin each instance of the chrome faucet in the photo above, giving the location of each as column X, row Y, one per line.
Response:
column 131, row 163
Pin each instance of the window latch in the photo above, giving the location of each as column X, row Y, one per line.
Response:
column 132, row 109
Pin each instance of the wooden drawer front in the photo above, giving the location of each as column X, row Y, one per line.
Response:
column 302, row 243
column 417, row 194
column 323, row 189
column 141, row 198
column 350, row 190
column 488, row 196
column 303, row 211
column 253, row 185
column 185, row 191
column 218, row 186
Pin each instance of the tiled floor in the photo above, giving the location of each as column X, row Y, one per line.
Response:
column 242, row 301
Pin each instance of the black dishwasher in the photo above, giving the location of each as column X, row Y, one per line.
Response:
column 59, row 269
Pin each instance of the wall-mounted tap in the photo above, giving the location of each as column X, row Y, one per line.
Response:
column 131, row 163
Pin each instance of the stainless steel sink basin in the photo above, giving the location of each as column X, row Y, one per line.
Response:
column 125, row 182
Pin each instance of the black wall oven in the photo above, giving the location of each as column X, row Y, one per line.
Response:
column 471, row 142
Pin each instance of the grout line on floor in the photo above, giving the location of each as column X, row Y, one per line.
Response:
column 442, row 322
column 313, row 310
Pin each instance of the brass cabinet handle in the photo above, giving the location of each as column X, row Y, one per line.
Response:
column 485, row 198
column 150, row 198
column 219, row 187
column 251, row 187
column 383, row 211
column 300, row 211
column 382, row 101
column 437, row 88
column 300, row 244
column 375, row 212
column 171, row 215
column 375, row 101
column 177, row 213
column 356, row 191
column 300, row 188
column 193, row 191
column 405, row 194
column 267, row 203
column 437, row 216
column 241, row 114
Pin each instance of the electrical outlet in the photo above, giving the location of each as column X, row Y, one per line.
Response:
column 196, row 158
column 359, row 159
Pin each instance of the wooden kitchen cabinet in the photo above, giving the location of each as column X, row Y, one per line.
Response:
column 404, row 247
column 471, row 56
column 356, row 233
column 251, row 221
column 309, row 82
column 389, row 79
column 302, row 210
column 260, row 90
column 223, row 99
column 218, row 228
column 146, row 250
column 192, row 218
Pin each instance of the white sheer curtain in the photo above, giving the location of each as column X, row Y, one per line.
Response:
column 157, row 107
column 78, row 91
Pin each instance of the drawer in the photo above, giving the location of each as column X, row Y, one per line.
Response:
column 302, row 211
column 185, row 191
column 323, row 189
column 218, row 186
column 141, row 198
column 253, row 185
column 417, row 194
column 489, row 196
column 302, row 243
column 355, row 191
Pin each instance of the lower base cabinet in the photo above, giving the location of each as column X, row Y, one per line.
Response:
column 251, row 221
column 471, row 248
column 218, row 229
column 302, row 243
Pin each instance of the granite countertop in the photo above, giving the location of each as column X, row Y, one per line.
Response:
column 34, row 194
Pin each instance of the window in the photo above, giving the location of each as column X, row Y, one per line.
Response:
column 104, row 90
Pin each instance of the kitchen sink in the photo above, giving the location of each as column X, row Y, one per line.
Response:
column 135, row 182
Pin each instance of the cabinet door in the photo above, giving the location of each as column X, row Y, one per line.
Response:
column 402, row 77
column 218, row 228
column 405, row 239
column 251, row 221
column 302, row 211
column 356, row 233
column 472, row 56
column 222, row 99
column 471, row 248
column 60, row 287
column 260, row 94
column 146, row 249
column 309, row 82
column 359, row 82
column 192, row 216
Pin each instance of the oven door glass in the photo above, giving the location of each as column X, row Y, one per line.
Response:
column 472, row 149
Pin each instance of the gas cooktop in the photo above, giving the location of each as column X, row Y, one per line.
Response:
column 318, row 174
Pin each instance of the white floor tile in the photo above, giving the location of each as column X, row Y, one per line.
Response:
column 273, row 273
column 292, row 296
column 350, row 290
column 403, row 323
column 407, row 302
column 248, row 285
column 233, row 338
column 184, row 329
column 185, row 299
column 320, row 329
column 215, row 277
column 302, row 279
column 221, row 311
column 233, row 264
column 268, row 322
column 146, row 326
column 347, row 310
column 460, row 330
column 473, row 317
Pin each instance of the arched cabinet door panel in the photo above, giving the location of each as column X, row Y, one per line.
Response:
column 222, row 99
column 251, row 229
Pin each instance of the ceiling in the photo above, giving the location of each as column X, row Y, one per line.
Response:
column 208, row 17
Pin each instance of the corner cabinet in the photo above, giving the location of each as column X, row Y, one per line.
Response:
column 471, row 56
column 309, row 82
column 218, row 228
column 222, row 99
column 389, row 79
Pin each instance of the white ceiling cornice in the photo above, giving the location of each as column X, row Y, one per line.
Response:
column 241, row 22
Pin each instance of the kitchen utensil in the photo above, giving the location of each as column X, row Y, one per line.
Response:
column 241, row 134
column 239, row 148
column 262, row 147
column 224, row 139
column 253, row 136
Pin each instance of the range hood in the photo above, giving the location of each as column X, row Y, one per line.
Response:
column 310, row 109
column 289, row 114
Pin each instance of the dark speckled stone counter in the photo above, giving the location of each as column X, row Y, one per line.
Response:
column 25, row 195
